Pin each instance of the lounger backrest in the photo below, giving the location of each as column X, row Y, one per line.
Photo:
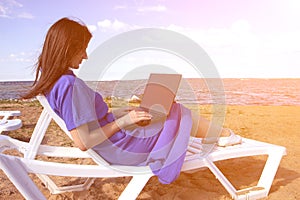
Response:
column 44, row 102
column 41, row 127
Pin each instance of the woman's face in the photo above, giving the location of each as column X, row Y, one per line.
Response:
column 76, row 61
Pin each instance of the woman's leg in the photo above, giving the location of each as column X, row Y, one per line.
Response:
column 202, row 128
column 213, row 133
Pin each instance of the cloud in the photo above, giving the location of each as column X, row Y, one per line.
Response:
column 13, row 9
column 237, row 50
column 240, row 26
column 120, row 7
column 139, row 7
column 92, row 28
column 238, row 35
column 158, row 8
column 25, row 15
column 3, row 11
column 104, row 24
column 13, row 3
column 115, row 25
column 25, row 57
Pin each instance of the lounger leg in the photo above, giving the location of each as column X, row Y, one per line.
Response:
column 38, row 135
column 135, row 186
column 54, row 189
column 271, row 168
column 265, row 181
column 220, row 176
column 19, row 177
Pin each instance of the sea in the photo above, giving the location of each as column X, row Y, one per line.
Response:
column 229, row 91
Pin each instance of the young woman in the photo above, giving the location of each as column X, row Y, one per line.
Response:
column 161, row 145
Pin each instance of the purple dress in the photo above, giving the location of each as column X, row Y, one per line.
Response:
column 161, row 145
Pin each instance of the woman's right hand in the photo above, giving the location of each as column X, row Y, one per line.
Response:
column 133, row 117
column 120, row 112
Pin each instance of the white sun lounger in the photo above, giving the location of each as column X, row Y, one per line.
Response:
column 8, row 124
column 198, row 156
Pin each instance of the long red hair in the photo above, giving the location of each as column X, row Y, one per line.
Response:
column 64, row 40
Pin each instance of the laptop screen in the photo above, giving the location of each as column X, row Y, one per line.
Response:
column 160, row 92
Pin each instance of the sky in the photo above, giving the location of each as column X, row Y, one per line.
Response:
column 243, row 38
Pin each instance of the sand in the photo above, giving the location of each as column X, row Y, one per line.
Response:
column 274, row 124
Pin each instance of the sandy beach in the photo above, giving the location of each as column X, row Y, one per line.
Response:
column 274, row 124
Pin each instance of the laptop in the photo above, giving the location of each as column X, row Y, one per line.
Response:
column 159, row 95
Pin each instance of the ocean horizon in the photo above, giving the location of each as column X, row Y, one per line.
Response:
column 229, row 91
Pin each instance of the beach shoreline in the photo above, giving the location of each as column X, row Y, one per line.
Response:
column 278, row 125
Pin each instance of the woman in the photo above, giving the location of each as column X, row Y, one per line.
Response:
column 161, row 145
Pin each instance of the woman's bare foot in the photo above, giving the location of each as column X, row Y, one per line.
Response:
column 228, row 138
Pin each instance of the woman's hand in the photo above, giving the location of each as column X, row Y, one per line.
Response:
column 133, row 117
column 120, row 112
